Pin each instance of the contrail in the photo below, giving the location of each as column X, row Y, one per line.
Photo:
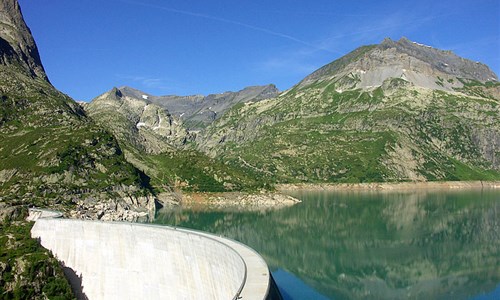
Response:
column 218, row 19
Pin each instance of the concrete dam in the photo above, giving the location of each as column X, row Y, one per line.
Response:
column 113, row 260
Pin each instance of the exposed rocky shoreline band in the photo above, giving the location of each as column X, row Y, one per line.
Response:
column 238, row 201
column 387, row 186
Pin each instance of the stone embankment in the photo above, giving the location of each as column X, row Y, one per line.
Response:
column 127, row 208
column 387, row 186
column 238, row 201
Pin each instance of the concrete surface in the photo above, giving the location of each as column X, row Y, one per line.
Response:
column 37, row 213
column 258, row 278
column 137, row 261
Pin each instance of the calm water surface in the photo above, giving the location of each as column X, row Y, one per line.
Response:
column 371, row 245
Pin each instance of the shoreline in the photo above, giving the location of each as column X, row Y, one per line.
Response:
column 390, row 186
column 243, row 201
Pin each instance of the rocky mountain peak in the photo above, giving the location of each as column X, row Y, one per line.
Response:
column 116, row 93
column 443, row 60
column 418, row 64
column 136, row 120
column 17, row 46
column 196, row 111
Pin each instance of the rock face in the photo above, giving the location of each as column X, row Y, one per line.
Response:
column 17, row 47
column 418, row 64
column 139, row 122
column 397, row 111
column 122, row 208
column 198, row 111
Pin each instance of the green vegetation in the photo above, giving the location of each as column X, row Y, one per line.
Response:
column 466, row 172
column 191, row 170
column 50, row 152
column 307, row 150
column 488, row 90
column 440, row 81
column 317, row 133
column 27, row 270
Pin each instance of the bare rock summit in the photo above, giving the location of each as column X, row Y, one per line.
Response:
column 17, row 46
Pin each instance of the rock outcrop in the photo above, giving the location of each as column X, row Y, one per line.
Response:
column 199, row 111
column 262, row 201
column 138, row 122
column 418, row 64
column 127, row 207
column 17, row 46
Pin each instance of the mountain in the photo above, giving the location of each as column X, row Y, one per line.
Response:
column 137, row 121
column 419, row 64
column 199, row 111
column 51, row 153
column 153, row 133
column 396, row 111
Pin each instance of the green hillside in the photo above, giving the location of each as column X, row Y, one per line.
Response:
column 329, row 129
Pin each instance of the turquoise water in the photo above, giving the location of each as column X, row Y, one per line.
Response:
column 371, row 245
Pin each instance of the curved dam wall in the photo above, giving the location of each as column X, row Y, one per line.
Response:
column 135, row 261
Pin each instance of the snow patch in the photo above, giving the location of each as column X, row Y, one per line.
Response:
column 140, row 124
column 422, row 45
column 159, row 124
column 145, row 97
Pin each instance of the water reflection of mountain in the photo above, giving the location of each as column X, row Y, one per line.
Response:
column 375, row 245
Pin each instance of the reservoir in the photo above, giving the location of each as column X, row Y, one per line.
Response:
column 437, row 244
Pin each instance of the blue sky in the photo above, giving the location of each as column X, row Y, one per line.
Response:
column 186, row 47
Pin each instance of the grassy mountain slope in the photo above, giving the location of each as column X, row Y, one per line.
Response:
column 336, row 127
column 51, row 152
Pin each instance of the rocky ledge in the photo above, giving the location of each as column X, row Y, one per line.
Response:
column 237, row 201
column 127, row 207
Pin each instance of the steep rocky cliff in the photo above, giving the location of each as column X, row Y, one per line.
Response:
column 396, row 111
column 51, row 153
column 138, row 122
column 17, row 47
